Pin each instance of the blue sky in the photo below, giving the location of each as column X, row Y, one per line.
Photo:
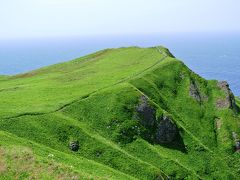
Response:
column 53, row 18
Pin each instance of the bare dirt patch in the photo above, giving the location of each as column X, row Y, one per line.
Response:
column 3, row 166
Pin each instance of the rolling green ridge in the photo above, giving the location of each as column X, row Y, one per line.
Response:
column 136, row 113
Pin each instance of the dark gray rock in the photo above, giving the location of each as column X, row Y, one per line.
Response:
column 166, row 131
column 229, row 101
column 161, row 131
column 194, row 92
column 74, row 145
column 146, row 112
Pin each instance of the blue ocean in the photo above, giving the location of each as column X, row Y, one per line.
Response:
column 213, row 56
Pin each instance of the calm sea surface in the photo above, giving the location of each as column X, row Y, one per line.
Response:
column 213, row 56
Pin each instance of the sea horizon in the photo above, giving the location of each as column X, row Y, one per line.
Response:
column 211, row 55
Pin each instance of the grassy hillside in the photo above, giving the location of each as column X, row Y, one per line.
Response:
column 53, row 87
column 135, row 113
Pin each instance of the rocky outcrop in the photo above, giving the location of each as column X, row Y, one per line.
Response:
column 224, row 86
column 166, row 131
column 229, row 101
column 194, row 92
column 160, row 131
column 146, row 112
column 74, row 145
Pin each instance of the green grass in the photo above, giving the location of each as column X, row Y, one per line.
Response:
column 54, row 86
column 93, row 100
column 22, row 159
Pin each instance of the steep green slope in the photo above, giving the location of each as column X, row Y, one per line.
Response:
column 135, row 113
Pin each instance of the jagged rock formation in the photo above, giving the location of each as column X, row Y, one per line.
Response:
column 146, row 112
column 162, row 130
column 194, row 92
column 166, row 131
column 229, row 101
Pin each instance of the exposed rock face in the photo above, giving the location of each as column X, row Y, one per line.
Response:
column 74, row 145
column 229, row 102
column 222, row 103
column 194, row 92
column 160, row 131
column 146, row 112
column 166, row 131
column 224, row 86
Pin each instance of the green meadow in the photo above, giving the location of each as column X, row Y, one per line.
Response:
column 114, row 103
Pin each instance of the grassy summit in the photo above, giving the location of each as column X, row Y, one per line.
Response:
column 54, row 86
column 131, row 113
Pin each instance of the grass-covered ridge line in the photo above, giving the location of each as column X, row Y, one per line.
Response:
column 136, row 113
column 76, row 79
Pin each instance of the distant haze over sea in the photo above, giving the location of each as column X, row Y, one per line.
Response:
column 213, row 56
